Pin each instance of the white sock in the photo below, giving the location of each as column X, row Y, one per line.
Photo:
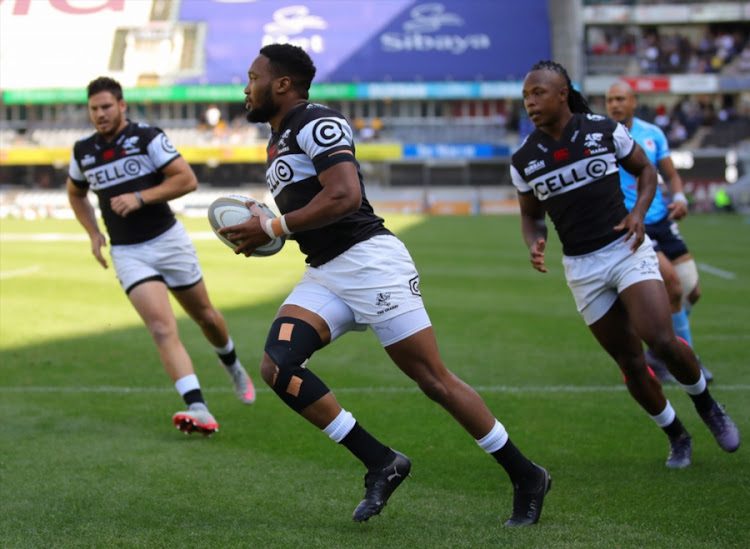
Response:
column 696, row 388
column 666, row 416
column 340, row 426
column 186, row 384
column 226, row 348
column 495, row 439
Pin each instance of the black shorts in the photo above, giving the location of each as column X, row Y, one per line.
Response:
column 667, row 239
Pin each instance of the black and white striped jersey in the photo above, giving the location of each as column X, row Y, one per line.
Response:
column 131, row 162
column 302, row 148
column 577, row 179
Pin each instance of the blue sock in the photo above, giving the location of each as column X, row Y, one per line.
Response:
column 681, row 326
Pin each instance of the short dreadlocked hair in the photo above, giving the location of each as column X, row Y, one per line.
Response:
column 576, row 101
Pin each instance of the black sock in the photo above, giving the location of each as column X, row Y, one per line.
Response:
column 229, row 358
column 519, row 468
column 703, row 402
column 191, row 397
column 675, row 429
column 367, row 448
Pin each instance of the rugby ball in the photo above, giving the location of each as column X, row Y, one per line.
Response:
column 232, row 210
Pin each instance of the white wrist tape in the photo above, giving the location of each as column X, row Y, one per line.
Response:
column 268, row 228
column 679, row 197
column 284, row 226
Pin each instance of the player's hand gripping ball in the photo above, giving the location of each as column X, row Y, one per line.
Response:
column 232, row 210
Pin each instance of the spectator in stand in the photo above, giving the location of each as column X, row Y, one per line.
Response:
column 743, row 65
column 662, row 118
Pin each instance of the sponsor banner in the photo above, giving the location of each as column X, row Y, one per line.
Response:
column 694, row 83
column 734, row 83
column 665, row 13
column 403, row 40
column 60, row 156
column 455, row 150
column 153, row 43
column 62, row 43
column 318, row 92
column 648, row 84
column 57, row 156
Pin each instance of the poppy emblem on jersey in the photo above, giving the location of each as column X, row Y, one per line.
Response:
column 561, row 154
column 108, row 154
column 327, row 131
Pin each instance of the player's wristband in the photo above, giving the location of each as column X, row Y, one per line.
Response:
column 140, row 198
column 276, row 226
column 679, row 197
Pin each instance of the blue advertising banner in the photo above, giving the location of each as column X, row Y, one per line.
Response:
column 375, row 40
column 455, row 150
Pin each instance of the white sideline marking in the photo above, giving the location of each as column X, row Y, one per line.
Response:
column 716, row 271
column 79, row 237
column 486, row 389
column 19, row 272
column 43, row 237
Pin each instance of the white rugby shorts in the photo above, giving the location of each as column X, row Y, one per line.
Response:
column 596, row 279
column 171, row 257
column 374, row 283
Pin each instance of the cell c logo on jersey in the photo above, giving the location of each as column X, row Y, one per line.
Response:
column 596, row 168
column 166, row 144
column 327, row 131
column 132, row 167
column 282, row 172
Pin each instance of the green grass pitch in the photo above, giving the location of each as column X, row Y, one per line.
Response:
column 89, row 457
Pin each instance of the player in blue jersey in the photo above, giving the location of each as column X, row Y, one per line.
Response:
column 676, row 265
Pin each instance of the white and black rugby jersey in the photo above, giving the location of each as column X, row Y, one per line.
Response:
column 130, row 162
column 577, row 179
column 300, row 150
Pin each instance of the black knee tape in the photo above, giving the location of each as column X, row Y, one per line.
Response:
column 290, row 343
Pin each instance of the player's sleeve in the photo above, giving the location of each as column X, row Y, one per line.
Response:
column 321, row 137
column 160, row 149
column 75, row 173
column 521, row 185
column 624, row 142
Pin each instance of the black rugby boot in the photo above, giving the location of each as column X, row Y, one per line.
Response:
column 528, row 500
column 380, row 484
